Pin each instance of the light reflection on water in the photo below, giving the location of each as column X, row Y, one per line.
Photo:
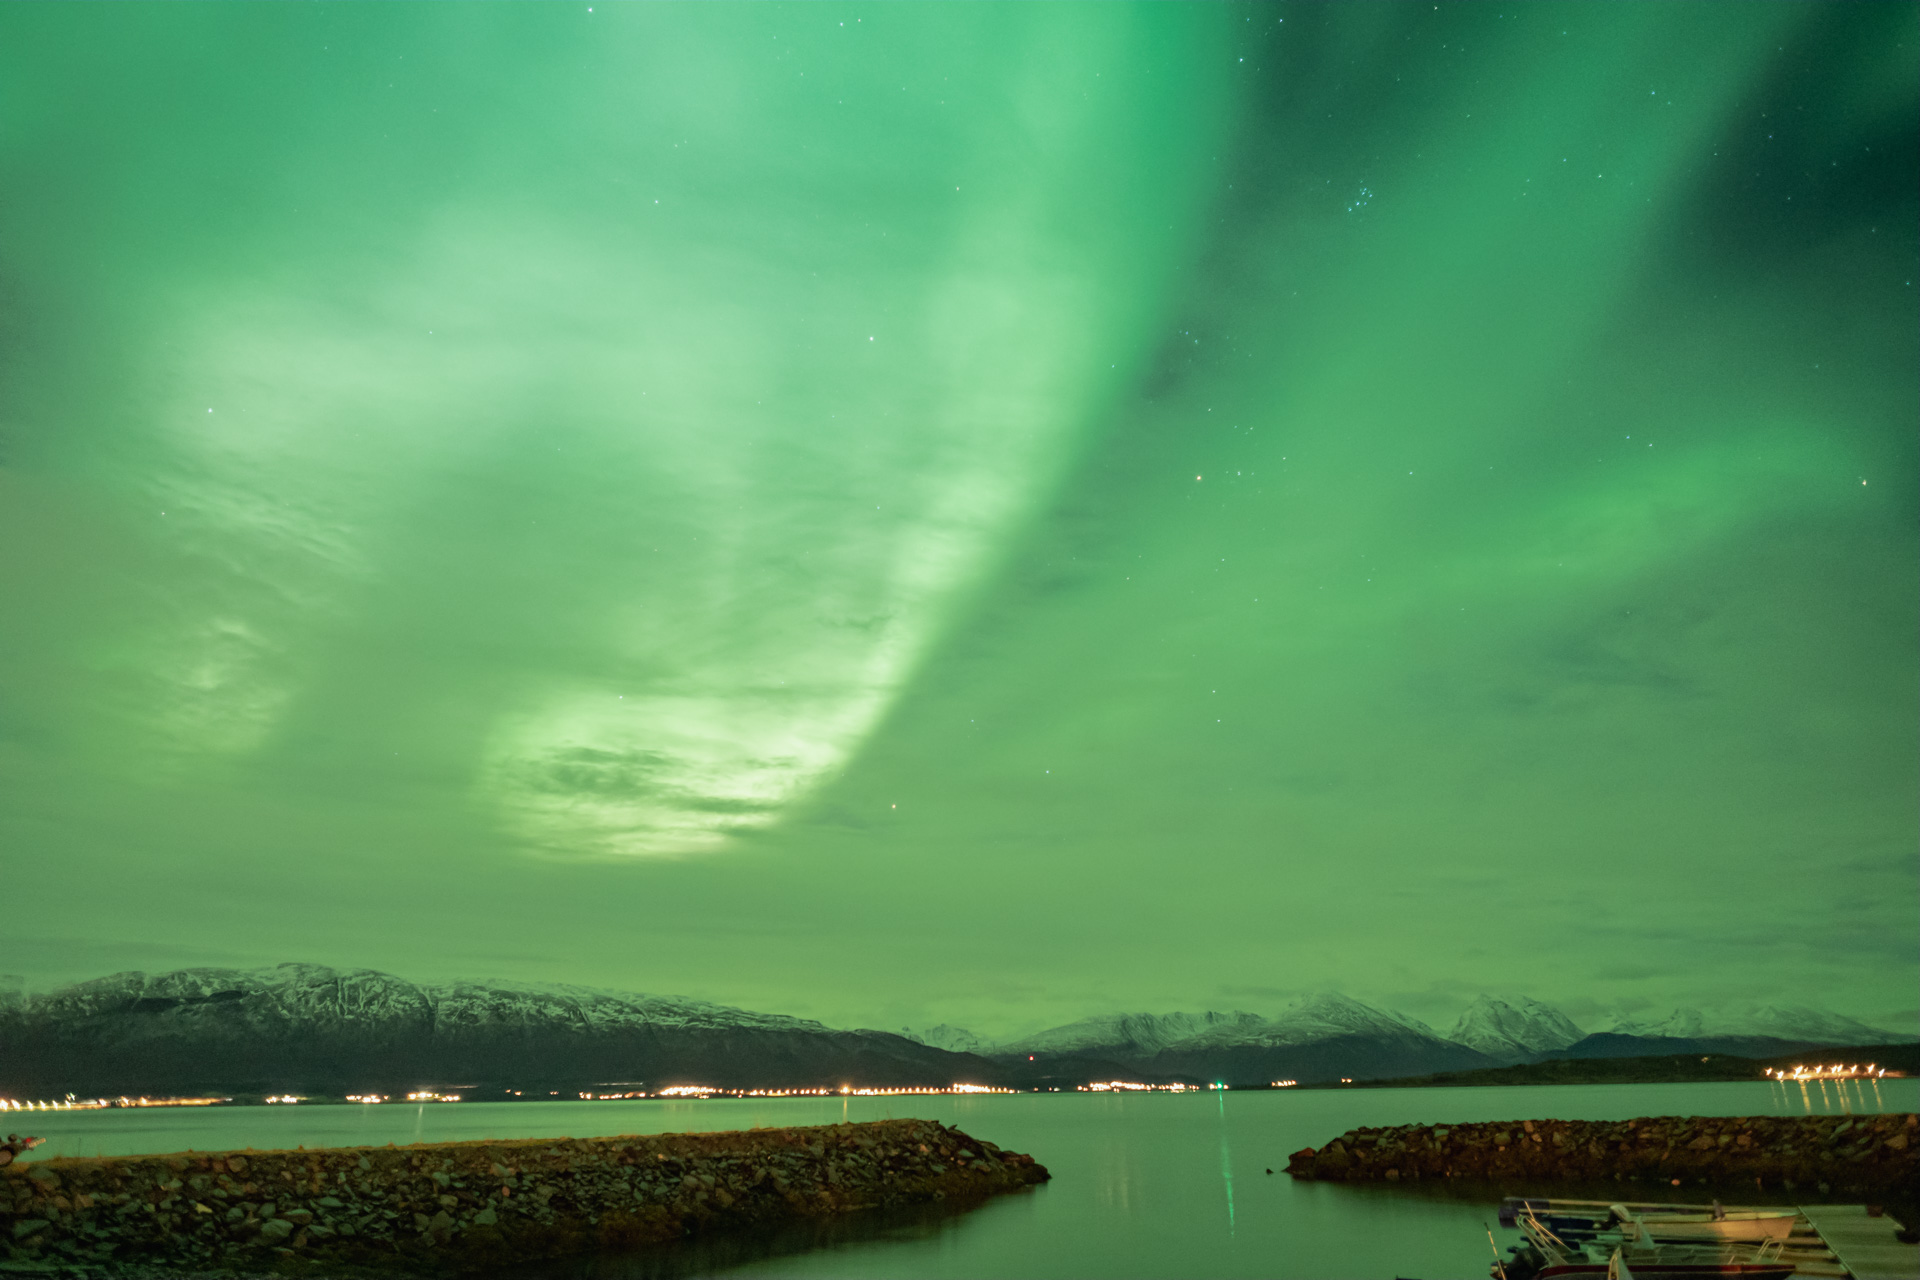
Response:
column 1847, row 1096
column 1159, row 1184
column 1226, row 1159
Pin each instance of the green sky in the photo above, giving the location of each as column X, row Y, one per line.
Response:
column 972, row 513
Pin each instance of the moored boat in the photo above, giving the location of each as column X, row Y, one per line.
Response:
column 1749, row 1224
column 1630, row 1253
column 1581, row 1219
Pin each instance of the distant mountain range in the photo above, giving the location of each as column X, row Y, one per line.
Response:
column 1791, row 1022
column 1322, row 1037
column 1318, row 1038
column 298, row 1028
column 1752, row 1031
column 1333, row 1036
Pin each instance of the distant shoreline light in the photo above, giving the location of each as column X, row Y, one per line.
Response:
column 1833, row 1071
column 678, row 1091
column 71, row 1103
column 683, row 1092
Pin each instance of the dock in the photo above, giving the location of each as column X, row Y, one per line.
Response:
column 1865, row 1246
column 1828, row 1241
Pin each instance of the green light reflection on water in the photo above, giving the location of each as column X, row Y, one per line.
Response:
column 1226, row 1155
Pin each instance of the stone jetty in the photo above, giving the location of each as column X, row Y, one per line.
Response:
column 1839, row 1153
column 450, row 1207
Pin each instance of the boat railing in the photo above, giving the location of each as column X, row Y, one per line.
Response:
column 1539, row 1231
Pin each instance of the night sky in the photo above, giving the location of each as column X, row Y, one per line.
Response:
column 968, row 513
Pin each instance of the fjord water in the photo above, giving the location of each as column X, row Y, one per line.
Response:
column 1142, row 1185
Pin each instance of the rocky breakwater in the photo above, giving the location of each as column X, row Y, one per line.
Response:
column 1838, row 1153
column 467, row 1205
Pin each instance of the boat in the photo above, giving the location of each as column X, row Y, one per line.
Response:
column 1630, row 1253
column 1582, row 1219
column 1719, row 1224
column 1658, row 1221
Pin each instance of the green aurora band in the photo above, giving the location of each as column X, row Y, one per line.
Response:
column 971, row 513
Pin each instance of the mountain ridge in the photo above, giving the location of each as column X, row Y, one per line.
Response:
column 1513, row 1029
column 1322, row 1036
column 1502, row 1030
column 311, row 1028
column 1779, row 1022
column 308, row 1028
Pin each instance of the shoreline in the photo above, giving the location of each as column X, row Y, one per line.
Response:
column 454, row 1207
column 1899, row 1059
column 1873, row 1153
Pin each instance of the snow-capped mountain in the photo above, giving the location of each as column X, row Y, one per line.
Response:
column 1513, row 1031
column 321, row 996
column 1125, row 1037
column 1797, row 1023
column 310, row 1028
column 1323, row 1016
column 1318, row 1037
column 313, row 1029
column 952, row 1039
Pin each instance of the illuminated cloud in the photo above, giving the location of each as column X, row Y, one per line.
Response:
column 735, row 462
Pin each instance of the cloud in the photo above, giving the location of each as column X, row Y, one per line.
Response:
column 678, row 495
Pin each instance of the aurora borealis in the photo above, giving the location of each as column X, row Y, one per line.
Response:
column 967, row 513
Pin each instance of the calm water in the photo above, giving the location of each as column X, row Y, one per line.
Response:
column 1157, row 1185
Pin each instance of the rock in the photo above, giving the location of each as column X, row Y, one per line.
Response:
column 536, row 1200
column 1654, row 1148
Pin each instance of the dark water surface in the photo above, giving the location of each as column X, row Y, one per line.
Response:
column 1163, row 1185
